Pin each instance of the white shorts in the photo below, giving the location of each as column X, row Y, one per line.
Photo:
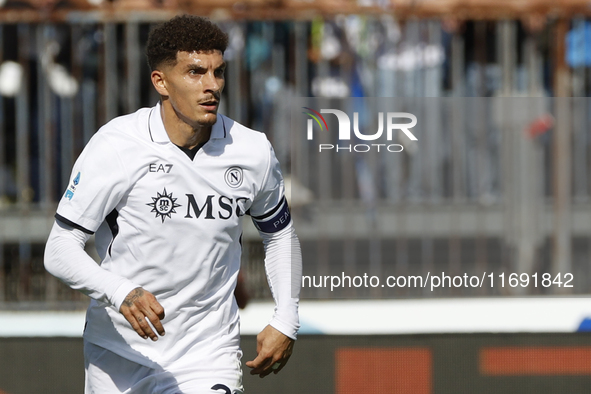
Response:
column 109, row 373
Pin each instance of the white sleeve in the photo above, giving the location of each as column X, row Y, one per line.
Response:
column 66, row 259
column 98, row 183
column 283, row 264
column 283, row 258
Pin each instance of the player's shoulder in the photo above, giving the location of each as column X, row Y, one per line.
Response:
column 133, row 125
column 245, row 138
column 118, row 137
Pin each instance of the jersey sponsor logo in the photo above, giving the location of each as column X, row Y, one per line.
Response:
column 72, row 187
column 234, row 177
column 159, row 167
column 209, row 207
column 224, row 207
column 163, row 205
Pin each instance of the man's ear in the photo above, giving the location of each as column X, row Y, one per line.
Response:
column 158, row 80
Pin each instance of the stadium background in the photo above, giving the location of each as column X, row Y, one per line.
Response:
column 490, row 188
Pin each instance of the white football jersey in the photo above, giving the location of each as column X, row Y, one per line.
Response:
column 172, row 225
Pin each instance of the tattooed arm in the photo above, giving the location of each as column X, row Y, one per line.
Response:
column 140, row 305
column 66, row 259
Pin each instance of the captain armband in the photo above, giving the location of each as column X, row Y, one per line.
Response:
column 275, row 220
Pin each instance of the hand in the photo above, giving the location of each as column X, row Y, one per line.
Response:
column 272, row 347
column 139, row 305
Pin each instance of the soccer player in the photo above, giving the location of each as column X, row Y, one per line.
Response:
column 165, row 190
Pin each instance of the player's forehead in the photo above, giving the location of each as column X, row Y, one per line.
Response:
column 213, row 58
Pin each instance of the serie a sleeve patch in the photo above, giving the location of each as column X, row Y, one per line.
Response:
column 275, row 220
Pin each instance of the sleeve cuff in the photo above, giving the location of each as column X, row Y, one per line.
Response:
column 70, row 223
column 284, row 328
column 122, row 291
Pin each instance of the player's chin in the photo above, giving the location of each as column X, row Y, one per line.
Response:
column 208, row 119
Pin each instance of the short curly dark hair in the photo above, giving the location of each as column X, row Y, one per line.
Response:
column 183, row 33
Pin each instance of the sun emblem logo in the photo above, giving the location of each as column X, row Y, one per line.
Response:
column 163, row 205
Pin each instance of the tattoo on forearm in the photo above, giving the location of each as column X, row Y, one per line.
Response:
column 133, row 296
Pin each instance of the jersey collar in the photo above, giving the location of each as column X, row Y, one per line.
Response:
column 158, row 132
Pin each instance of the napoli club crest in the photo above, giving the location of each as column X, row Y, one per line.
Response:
column 233, row 177
column 163, row 205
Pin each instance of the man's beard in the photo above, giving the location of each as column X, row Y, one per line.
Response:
column 210, row 121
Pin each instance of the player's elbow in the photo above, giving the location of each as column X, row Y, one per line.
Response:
column 60, row 244
column 51, row 254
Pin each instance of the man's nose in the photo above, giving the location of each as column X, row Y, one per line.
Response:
column 211, row 83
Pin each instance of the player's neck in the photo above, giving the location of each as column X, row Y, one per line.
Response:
column 180, row 132
column 187, row 137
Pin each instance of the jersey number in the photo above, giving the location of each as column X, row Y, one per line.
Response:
column 222, row 387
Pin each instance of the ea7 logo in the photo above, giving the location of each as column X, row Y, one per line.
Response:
column 392, row 123
column 159, row 167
